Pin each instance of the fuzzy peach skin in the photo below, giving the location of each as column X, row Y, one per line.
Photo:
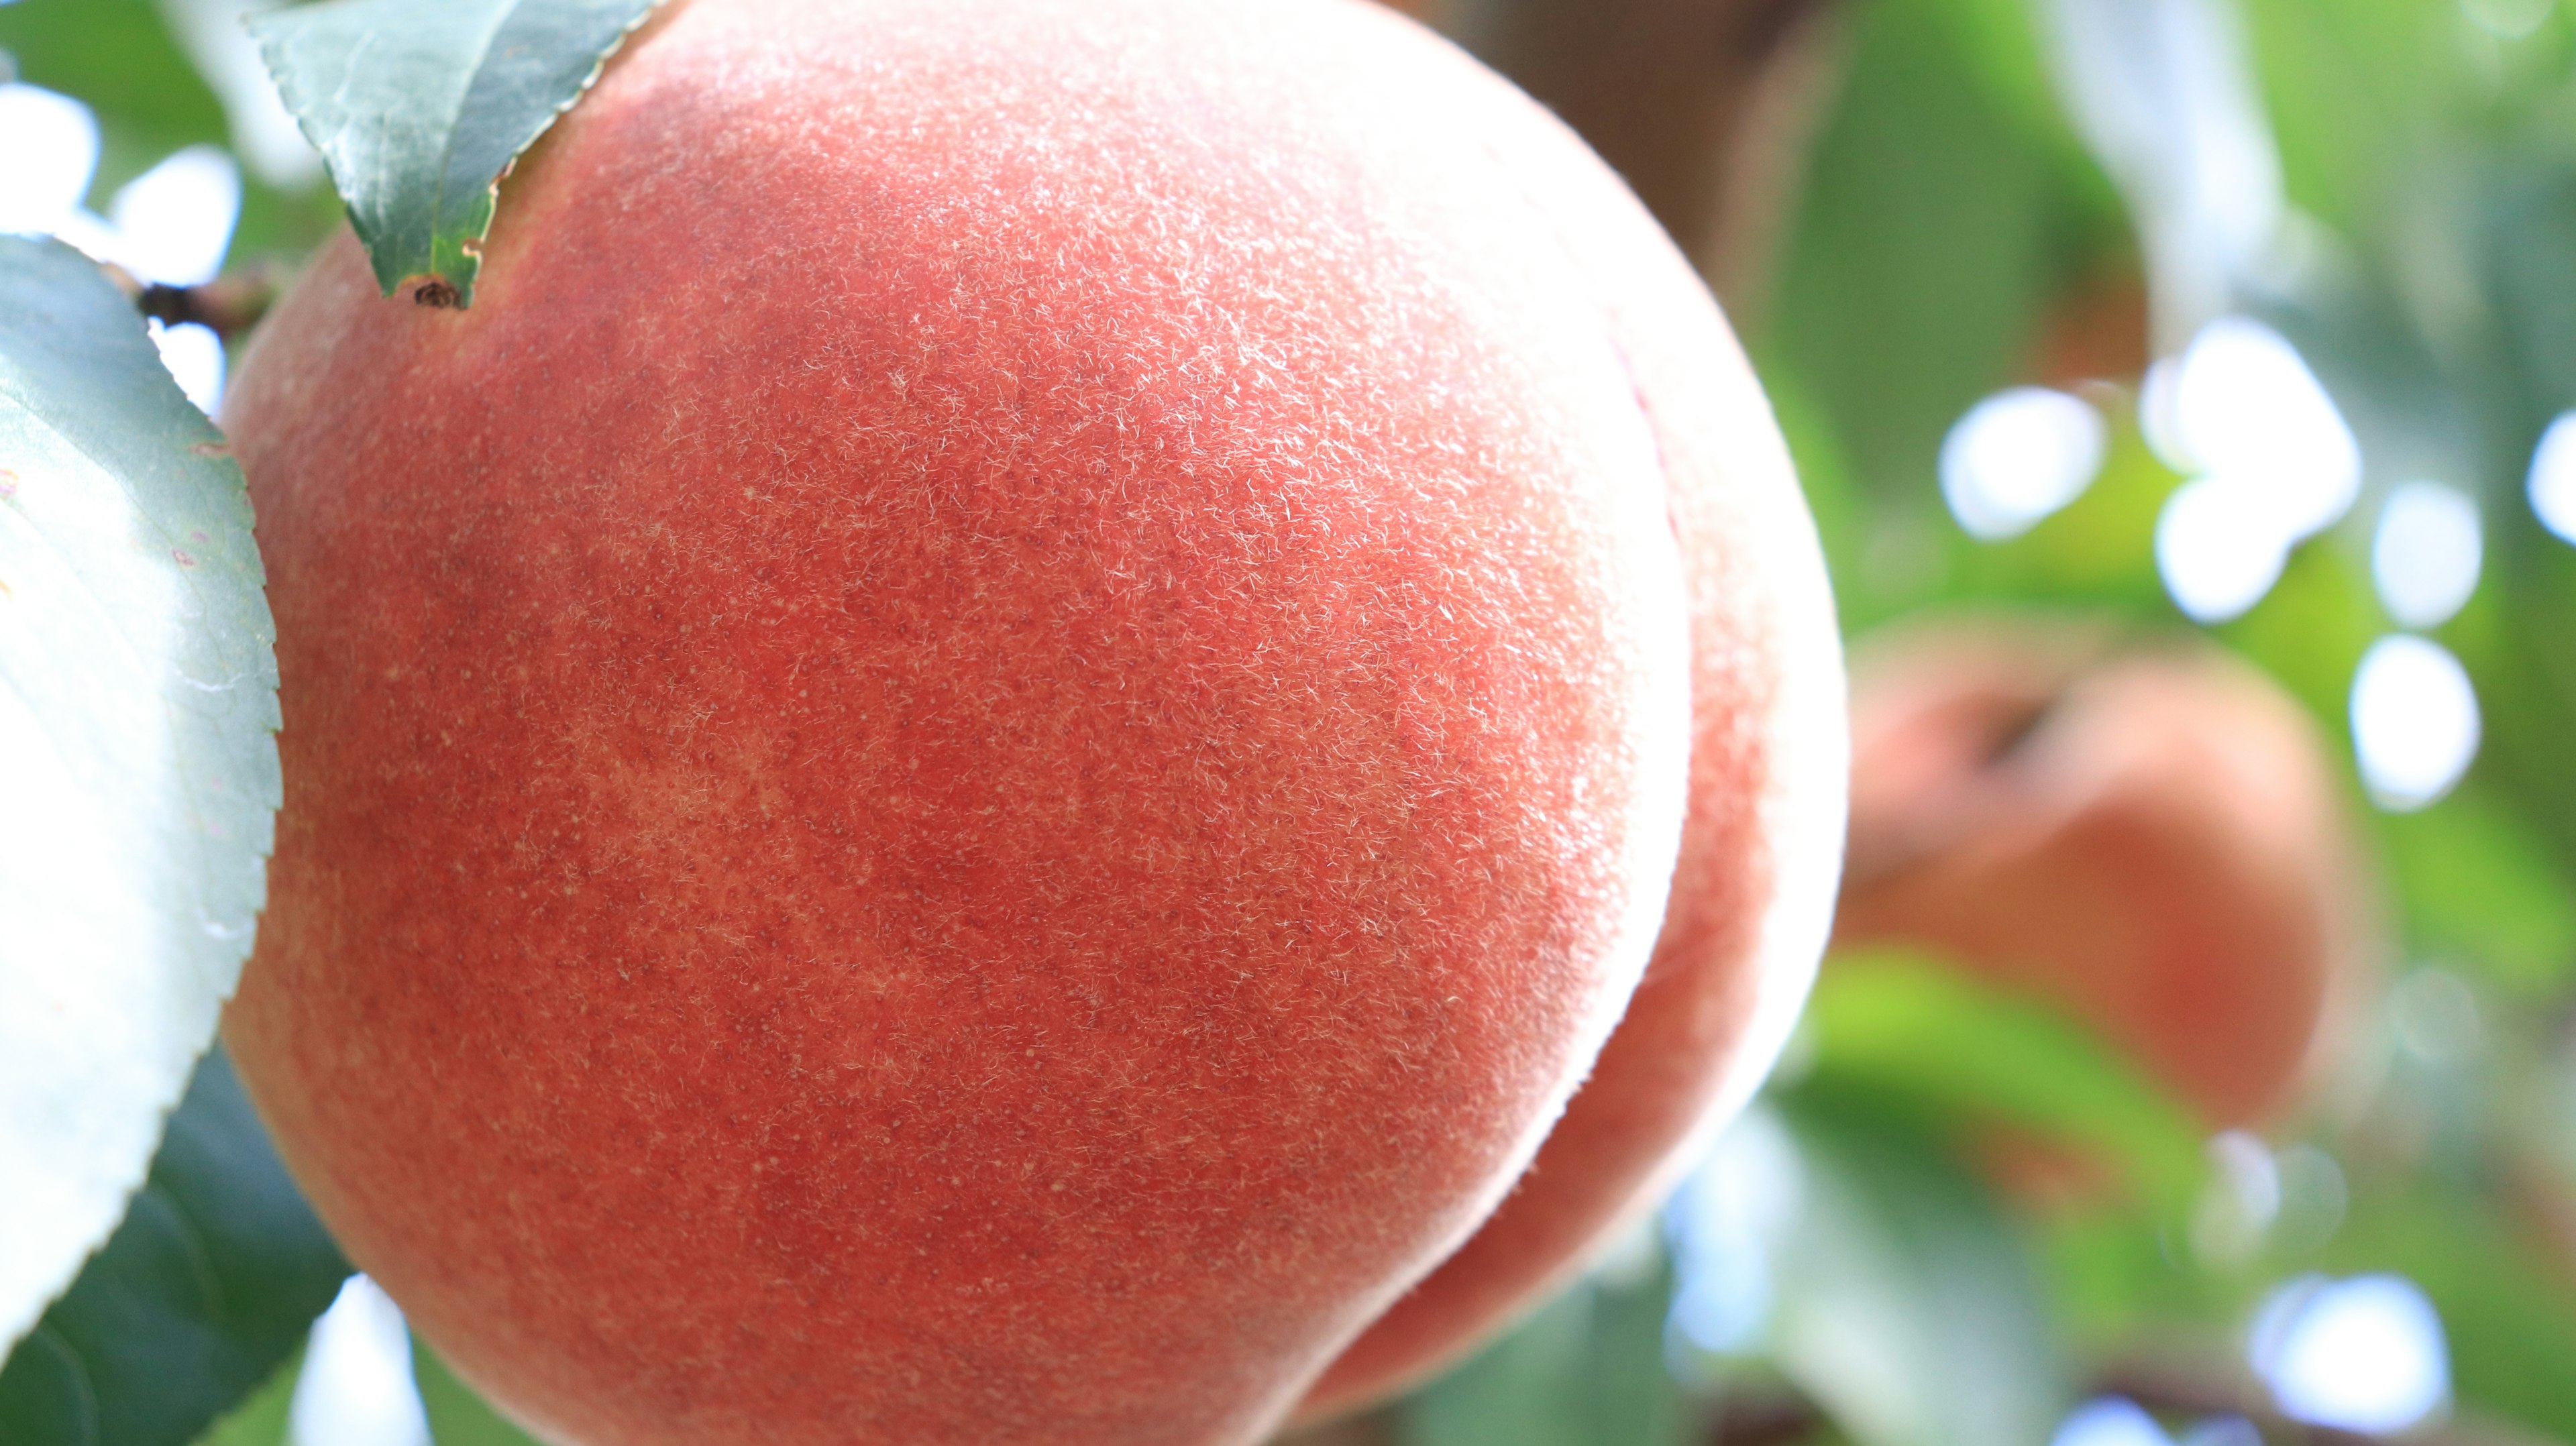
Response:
column 979, row 758
column 2152, row 838
column 1753, row 897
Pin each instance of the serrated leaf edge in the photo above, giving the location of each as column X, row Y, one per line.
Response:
column 264, row 638
column 268, row 28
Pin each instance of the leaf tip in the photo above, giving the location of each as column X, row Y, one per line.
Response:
column 439, row 294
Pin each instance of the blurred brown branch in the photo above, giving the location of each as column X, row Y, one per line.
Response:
column 2164, row 1388
column 1376, row 1428
column 230, row 305
column 2171, row 1389
column 1707, row 107
column 1765, row 1420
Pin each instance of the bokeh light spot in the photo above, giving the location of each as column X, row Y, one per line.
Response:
column 2276, row 463
column 174, row 222
column 2241, row 1201
column 2553, row 477
column 2436, row 1019
column 1724, row 1223
column 357, row 1387
column 2426, row 554
column 2018, row 456
column 195, row 357
column 2414, row 721
column 2246, row 407
column 2110, row 1421
column 2217, row 550
column 45, row 168
column 2314, row 1199
column 2510, row 19
column 2365, row 1354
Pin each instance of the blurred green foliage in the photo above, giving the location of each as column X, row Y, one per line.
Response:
column 1589, row 1366
column 261, row 1420
column 1949, row 219
column 122, row 59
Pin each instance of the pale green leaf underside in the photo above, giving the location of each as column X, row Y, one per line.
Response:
column 1905, row 1303
column 138, row 758
column 419, row 108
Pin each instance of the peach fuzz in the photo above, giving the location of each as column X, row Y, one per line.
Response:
column 1753, row 894
column 979, row 759
column 2151, row 837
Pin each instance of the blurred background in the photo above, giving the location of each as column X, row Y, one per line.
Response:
column 2182, row 388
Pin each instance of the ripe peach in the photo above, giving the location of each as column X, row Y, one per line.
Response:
column 980, row 757
column 2151, row 838
column 1761, row 847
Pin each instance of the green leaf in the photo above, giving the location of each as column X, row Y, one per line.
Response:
column 457, row 1416
column 2481, row 890
column 1998, row 48
column 138, row 713
column 263, row 1419
column 420, row 109
column 1934, row 225
column 1587, row 1368
column 207, row 1288
column 2110, row 1271
column 1904, row 1024
column 1907, row 1307
column 2354, row 87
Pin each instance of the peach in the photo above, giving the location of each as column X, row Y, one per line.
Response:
column 2152, row 838
column 982, row 755
column 1761, row 847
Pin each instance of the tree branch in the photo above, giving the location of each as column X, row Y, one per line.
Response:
column 230, row 305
